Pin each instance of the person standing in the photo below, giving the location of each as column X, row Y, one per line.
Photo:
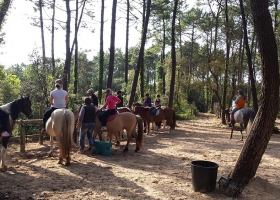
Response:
column 58, row 99
column 119, row 95
column 147, row 101
column 239, row 104
column 110, row 104
column 93, row 97
column 86, row 122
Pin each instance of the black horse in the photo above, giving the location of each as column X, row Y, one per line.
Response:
column 13, row 109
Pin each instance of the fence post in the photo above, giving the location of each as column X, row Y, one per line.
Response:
column 41, row 117
column 22, row 138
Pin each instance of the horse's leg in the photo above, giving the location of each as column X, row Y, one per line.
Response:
column 128, row 140
column 241, row 127
column 232, row 127
column 3, row 155
column 118, row 138
column 67, row 163
column 51, row 147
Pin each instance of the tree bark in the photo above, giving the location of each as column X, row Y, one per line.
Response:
column 67, row 65
column 262, row 128
column 173, row 54
column 76, row 49
column 226, row 67
column 101, row 56
column 249, row 59
column 53, row 59
column 141, row 55
column 112, row 45
column 126, row 42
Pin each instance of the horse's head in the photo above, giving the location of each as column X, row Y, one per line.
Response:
column 25, row 106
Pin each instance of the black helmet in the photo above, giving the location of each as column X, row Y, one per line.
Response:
column 240, row 91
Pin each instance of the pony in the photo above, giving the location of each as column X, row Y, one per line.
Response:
column 122, row 110
column 120, row 121
column 23, row 105
column 244, row 117
column 166, row 113
column 61, row 126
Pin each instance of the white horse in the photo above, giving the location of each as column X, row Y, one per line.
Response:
column 61, row 125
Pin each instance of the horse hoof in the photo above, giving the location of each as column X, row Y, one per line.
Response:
column 4, row 168
column 136, row 150
column 59, row 162
column 125, row 149
column 118, row 143
column 51, row 154
column 67, row 164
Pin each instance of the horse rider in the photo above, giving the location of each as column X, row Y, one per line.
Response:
column 110, row 104
column 58, row 99
column 119, row 95
column 158, row 101
column 148, row 100
column 86, row 122
column 239, row 103
column 93, row 97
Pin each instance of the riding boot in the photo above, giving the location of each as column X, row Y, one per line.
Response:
column 3, row 156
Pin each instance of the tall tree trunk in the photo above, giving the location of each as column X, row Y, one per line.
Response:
column 275, row 15
column 112, row 45
column 101, row 54
column 126, row 42
column 4, row 7
column 141, row 55
column 44, row 82
column 76, row 49
column 262, row 128
column 163, row 56
column 142, row 70
column 249, row 59
column 52, row 48
column 67, row 65
column 226, row 67
column 173, row 54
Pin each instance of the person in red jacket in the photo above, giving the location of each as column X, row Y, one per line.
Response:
column 110, row 105
column 239, row 103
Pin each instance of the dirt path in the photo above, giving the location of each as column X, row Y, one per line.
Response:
column 161, row 170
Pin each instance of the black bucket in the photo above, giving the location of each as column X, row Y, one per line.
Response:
column 204, row 175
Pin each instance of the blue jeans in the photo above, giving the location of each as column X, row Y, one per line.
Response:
column 86, row 128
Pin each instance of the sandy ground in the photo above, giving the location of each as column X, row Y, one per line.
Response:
column 161, row 170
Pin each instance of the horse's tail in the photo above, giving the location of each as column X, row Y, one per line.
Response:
column 250, row 122
column 174, row 120
column 65, row 137
column 140, row 136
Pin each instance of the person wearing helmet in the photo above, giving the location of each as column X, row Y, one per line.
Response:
column 239, row 103
column 93, row 97
column 119, row 95
column 110, row 104
column 58, row 99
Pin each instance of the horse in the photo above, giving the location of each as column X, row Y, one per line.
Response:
column 61, row 126
column 166, row 113
column 244, row 116
column 120, row 121
column 23, row 104
column 122, row 110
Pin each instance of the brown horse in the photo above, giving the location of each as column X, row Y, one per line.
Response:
column 127, row 121
column 167, row 114
column 122, row 110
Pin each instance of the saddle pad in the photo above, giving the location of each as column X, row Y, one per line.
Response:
column 111, row 118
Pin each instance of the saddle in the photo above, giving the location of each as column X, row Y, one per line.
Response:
column 154, row 111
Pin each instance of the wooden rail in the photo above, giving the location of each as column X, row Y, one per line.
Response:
column 23, row 124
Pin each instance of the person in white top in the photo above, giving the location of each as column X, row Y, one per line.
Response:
column 58, row 99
